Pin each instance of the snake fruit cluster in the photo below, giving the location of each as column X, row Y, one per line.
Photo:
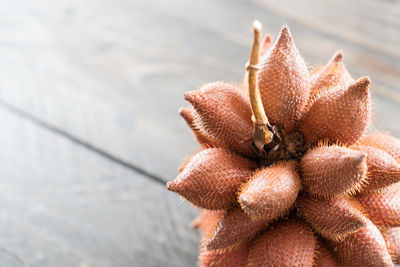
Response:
column 324, row 192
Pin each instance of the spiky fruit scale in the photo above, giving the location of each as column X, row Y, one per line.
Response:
column 343, row 171
column 284, row 68
column 189, row 116
column 383, row 169
column 271, row 191
column 339, row 116
column 287, row 174
column 212, row 177
column 333, row 74
column 325, row 256
column 207, row 220
column 233, row 257
column 383, row 208
column 392, row 238
column 365, row 247
column 266, row 44
column 211, row 113
column 333, row 219
column 285, row 243
column 386, row 142
column 234, row 227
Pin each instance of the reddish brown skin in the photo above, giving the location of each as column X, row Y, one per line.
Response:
column 341, row 173
column 383, row 169
column 383, row 208
column 188, row 115
column 207, row 220
column 333, row 219
column 333, row 74
column 185, row 162
column 340, row 116
column 365, row 247
column 267, row 44
column 213, row 103
column 285, row 243
column 234, row 227
column 271, row 191
column 326, row 257
column 386, row 142
column 233, row 257
column 212, row 177
column 284, row 68
column 329, row 171
column 392, row 238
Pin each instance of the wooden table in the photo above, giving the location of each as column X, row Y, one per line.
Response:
column 89, row 93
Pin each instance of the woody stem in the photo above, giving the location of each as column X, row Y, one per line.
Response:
column 262, row 134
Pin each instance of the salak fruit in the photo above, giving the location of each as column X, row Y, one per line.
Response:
column 288, row 173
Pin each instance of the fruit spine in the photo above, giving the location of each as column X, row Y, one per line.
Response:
column 287, row 174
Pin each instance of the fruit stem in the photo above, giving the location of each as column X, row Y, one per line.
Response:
column 262, row 135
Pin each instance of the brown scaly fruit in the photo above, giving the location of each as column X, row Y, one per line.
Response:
column 287, row 175
column 392, row 238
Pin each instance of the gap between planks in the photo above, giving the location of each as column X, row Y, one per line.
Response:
column 43, row 124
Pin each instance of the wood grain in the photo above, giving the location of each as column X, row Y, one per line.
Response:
column 62, row 205
column 113, row 74
column 89, row 93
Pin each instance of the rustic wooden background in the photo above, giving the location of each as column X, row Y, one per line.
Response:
column 89, row 93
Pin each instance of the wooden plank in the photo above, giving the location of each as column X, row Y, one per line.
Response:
column 113, row 74
column 359, row 22
column 62, row 205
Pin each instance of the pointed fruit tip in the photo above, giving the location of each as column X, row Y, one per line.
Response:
column 338, row 56
column 183, row 111
column 186, row 114
column 285, row 37
column 361, row 85
column 190, row 96
column 267, row 38
column 285, row 30
column 171, row 186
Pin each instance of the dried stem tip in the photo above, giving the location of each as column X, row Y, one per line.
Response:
column 262, row 135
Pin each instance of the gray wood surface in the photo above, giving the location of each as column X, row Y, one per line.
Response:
column 62, row 205
column 89, row 93
column 113, row 73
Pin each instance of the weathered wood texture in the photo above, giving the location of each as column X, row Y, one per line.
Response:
column 113, row 72
column 62, row 205
column 89, row 93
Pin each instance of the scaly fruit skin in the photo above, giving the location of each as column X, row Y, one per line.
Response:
column 258, row 196
column 333, row 219
column 383, row 141
column 233, row 257
column 286, row 243
column 284, row 68
column 321, row 192
column 383, row 208
column 392, row 238
column 210, row 113
column 333, row 74
column 212, row 177
column 339, row 116
column 383, row 169
column 234, row 227
column 325, row 257
column 366, row 247
column 344, row 171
